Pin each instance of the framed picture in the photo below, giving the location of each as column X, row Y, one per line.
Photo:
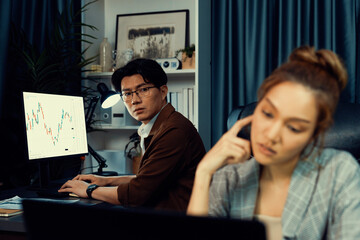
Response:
column 153, row 34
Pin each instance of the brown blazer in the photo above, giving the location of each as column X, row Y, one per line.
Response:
column 167, row 169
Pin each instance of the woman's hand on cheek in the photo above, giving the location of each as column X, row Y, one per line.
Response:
column 229, row 149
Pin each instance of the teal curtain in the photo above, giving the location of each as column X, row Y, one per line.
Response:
column 250, row 38
column 4, row 27
column 36, row 18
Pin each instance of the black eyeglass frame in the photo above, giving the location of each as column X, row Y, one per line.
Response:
column 132, row 92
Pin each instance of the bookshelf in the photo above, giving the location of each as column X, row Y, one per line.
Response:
column 112, row 135
column 182, row 95
column 170, row 74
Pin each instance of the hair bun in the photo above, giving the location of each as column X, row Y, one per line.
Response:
column 326, row 59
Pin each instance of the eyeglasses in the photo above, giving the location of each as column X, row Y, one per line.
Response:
column 140, row 92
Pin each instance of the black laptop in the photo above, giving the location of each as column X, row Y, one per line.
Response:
column 52, row 220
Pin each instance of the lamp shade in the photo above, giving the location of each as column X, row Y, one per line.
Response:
column 108, row 98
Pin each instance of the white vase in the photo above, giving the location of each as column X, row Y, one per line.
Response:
column 105, row 55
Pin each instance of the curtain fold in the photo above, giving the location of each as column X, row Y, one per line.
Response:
column 36, row 18
column 4, row 28
column 250, row 38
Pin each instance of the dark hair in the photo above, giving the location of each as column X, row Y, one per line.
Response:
column 321, row 71
column 149, row 69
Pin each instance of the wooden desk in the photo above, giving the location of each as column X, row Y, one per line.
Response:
column 12, row 227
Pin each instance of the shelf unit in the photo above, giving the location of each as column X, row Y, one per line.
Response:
column 102, row 14
column 177, row 80
column 170, row 74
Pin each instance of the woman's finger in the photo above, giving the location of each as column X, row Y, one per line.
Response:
column 234, row 130
column 238, row 153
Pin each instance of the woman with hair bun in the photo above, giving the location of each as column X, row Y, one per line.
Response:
column 295, row 186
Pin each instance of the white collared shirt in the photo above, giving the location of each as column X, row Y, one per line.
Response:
column 144, row 130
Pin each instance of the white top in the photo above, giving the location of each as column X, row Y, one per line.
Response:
column 272, row 225
column 144, row 130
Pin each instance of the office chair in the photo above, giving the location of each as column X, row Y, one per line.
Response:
column 344, row 134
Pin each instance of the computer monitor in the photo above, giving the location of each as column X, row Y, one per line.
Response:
column 55, row 126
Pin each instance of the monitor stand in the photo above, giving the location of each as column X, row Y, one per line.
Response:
column 45, row 187
column 44, row 174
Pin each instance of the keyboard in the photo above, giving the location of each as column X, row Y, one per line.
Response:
column 52, row 193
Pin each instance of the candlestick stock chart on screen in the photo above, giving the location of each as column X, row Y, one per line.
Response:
column 55, row 125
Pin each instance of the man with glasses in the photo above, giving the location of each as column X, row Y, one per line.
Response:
column 171, row 146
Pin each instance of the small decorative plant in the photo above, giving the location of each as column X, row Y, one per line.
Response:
column 187, row 50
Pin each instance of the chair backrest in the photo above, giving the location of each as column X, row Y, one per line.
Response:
column 344, row 133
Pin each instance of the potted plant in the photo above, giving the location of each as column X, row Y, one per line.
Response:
column 59, row 65
column 56, row 67
column 188, row 57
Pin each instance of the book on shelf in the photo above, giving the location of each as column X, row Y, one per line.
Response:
column 183, row 102
column 174, row 100
column 191, row 104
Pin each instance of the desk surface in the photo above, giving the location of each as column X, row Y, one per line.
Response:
column 16, row 223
